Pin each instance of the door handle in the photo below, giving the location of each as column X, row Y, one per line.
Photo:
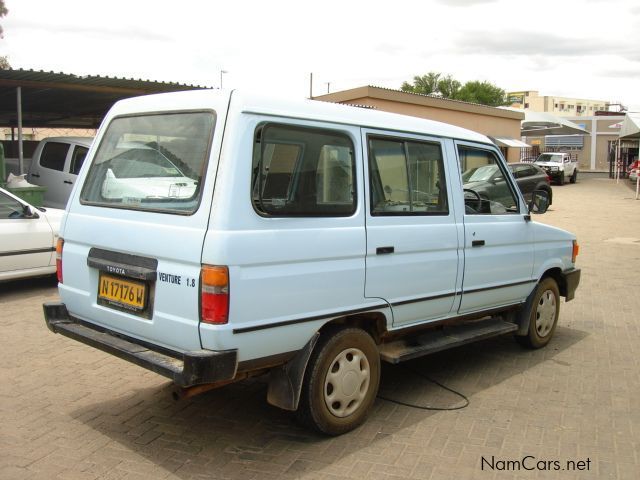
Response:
column 68, row 182
column 384, row 250
column 35, row 175
column 477, row 243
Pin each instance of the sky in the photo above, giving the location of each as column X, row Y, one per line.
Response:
column 574, row 48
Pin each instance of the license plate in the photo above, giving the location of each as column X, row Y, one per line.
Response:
column 118, row 292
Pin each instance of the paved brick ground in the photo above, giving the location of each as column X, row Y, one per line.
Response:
column 70, row 412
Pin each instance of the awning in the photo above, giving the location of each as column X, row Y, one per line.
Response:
column 630, row 126
column 539, row 124
column 509, row 142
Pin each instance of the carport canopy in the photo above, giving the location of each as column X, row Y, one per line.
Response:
column 630, row 127
column 509, row 142
column 60, row 100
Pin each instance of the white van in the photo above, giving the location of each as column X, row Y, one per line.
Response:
column 214, row 236
column 55, row 165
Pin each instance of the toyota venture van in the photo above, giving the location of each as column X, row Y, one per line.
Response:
column 215, row 236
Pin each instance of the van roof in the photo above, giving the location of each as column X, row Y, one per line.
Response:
column 249, row 102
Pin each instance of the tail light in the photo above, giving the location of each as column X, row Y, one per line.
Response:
column 214, row 294
column 59, row 247
column 576, row 250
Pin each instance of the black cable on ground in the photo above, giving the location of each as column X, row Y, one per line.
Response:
column 422, row 407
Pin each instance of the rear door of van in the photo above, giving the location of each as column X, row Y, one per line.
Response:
column 135, row 225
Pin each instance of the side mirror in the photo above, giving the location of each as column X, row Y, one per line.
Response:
column 28, row 212
column 539, row 202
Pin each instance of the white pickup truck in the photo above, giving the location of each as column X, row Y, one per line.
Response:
column 559, row 166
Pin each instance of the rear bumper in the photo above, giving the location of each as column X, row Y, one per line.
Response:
column 571, row 281
column 185, row 369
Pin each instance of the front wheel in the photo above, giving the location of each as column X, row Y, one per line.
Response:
column 341, row 381
column 543, row 315
column 561, row 178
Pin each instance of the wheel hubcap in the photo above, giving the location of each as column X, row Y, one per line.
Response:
column 546, row 313
column 347, row 382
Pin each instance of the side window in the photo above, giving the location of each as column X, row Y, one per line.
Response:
column 406, row 177
column 10, row 208
column 486, row 188
column 300, row 171
column 54, row 155
column 77, row 159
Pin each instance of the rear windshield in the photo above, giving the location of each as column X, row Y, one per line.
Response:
column 151, row 162
column 547, row 157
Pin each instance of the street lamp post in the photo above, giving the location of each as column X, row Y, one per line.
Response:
column 221, row 72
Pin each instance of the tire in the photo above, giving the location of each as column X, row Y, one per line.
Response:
column 341, row 381
column 561, row 179
column 574, row 176
column 543, row 315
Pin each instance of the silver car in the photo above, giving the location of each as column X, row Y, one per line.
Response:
column 55, row 165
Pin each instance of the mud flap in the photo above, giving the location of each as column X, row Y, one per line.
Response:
column 285, row 382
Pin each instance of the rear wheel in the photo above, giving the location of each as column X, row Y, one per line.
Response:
column 574, row 177
column 341, row 381
column 543, row 315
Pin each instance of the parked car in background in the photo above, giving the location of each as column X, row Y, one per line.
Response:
column 634, row 166
column 559, row 166
column 28, row 237
column 633, row 175
column 488, row 182
column 55, row 165
column 530, row 177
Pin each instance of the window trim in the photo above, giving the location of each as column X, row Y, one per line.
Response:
column 502, row 165
column 404, row 141
column 262, row 126
column 205, row 170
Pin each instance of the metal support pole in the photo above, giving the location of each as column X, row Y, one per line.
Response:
column 617, row 170
column 20, row 151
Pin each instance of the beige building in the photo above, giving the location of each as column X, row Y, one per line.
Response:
column 599, row 147
column 561, row 106
column 500, row 124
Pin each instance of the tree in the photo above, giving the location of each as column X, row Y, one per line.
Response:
column 485, row 93
column 3, row 12
column 426, row 84
column 474, row 91
column 449, row 87
column 4, row 63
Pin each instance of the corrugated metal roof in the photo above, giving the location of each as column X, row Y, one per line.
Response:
column 95, row 80
column 56, row 99
column 438, row 97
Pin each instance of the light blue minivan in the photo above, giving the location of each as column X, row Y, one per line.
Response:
column 214, row 236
